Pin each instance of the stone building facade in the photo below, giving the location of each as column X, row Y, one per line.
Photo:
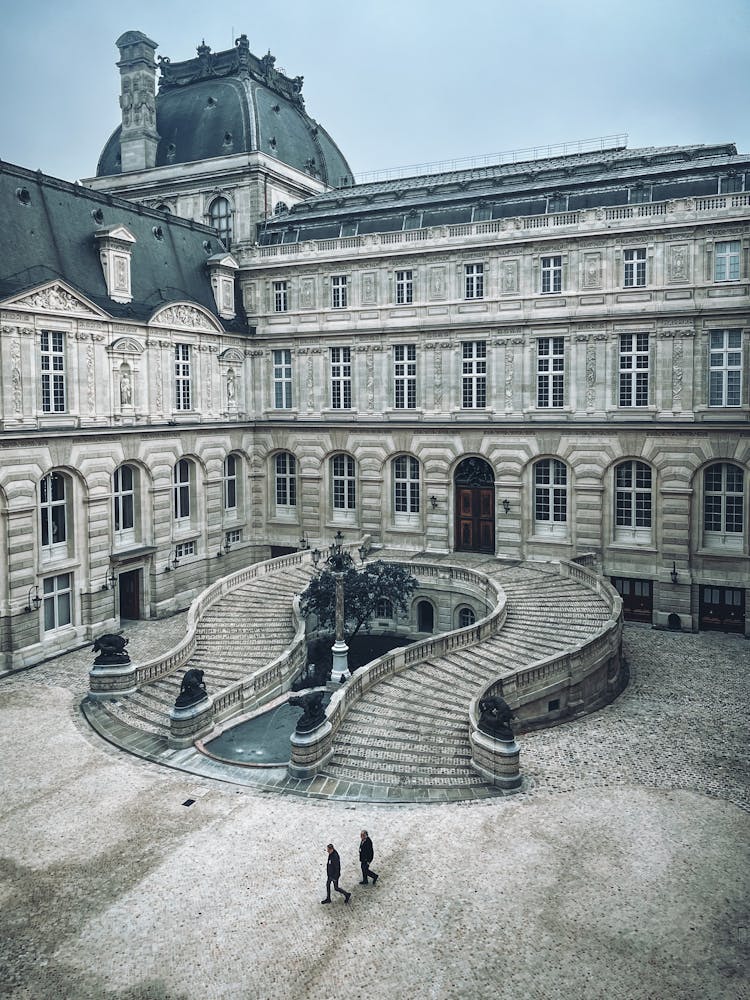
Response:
column 534, row 360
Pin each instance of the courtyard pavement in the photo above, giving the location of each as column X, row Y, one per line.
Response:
column 619, row 873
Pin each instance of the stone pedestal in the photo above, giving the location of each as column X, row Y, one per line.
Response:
column 496, row 760
column 186, row 725
column 340, row 669
column 311, row 751
column 109, row 680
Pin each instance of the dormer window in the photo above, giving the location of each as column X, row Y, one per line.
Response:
column 115, row 250
column 221, row 267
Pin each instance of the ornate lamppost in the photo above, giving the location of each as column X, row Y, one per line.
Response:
column 339, row 649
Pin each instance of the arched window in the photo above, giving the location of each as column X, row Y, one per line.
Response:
column 286, row 485
column 405, row 487
column 723, row 502
column 343, row 484
column 383, row 608
column 54, row 515
column 123, row 504
column 633, row 502
column 220, row 217
column 280, row 207
column 466, row 617
column 182, row 488
column 550, row 497
column 425, row 617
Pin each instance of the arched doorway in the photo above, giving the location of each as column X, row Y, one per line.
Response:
column 425, row 617
column 475, row 506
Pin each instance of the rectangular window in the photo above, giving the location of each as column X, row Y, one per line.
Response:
column 474, row 277
column 280, row 296
column 406, row 485
column 633, row 369
column 57, row 592
column 552, row 274
column 182, row 393
column 344, row 484
column 405, row 376
column 341, row 378
column 230, row 483
column 52, row 363
column 232, row 536
column 727, row 261
column 635, row 268
column 725, row 368
column 474, row 375
column 404, row 287
column 550, row 378
column 282, row 379
column 338, row 292
column 286, row 480
column 183, row 549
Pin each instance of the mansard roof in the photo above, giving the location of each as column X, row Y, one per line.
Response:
column 48, row 231
column 583, row 180
column 227, row 102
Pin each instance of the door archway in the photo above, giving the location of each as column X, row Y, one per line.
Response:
column 474, row 483
column 425, row 617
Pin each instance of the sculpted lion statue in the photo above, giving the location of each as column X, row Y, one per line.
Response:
column 313, row 712
column 192, row 689
column 111, row 649
column 495, row 715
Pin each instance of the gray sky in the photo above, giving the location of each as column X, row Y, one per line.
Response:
column 399, row 82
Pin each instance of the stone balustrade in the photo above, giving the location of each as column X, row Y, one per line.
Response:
column 311, row 751
column 679, row 211
column 578, row 681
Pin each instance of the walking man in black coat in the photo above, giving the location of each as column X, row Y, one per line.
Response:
column 333, row 873
column 366, row 854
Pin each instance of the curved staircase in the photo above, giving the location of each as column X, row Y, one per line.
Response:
column 407, row 738
column 412, row 730
column 238, row 635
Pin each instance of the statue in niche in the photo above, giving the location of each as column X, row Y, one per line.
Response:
column 231, row 386
column 313, row 712
column 495, row 716
column 192, row 689
column 126, row 388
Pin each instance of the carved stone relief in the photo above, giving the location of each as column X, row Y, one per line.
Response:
column 592, row 270
column 437, row 377
column 677, row 372
column 369, row 296
column 370, row 380
column 679, row 263
column 91, row 379
column 590, row 375
column 307, row 293
column 55, row 299
column 16, row 381
column 509, row 375
column 437, row 283
column 184, row 316
column 310, row 384
column 509, row 276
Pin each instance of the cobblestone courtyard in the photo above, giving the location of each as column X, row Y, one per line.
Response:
column 622, row 871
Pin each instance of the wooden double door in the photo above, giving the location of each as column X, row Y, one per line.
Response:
column 475, row 506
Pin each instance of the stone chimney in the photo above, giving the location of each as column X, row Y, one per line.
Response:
column 138, row 138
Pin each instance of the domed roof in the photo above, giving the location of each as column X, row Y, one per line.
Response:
column 232, row 102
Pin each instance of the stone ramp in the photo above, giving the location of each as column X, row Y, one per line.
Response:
column 413, row 729
column 241, row 633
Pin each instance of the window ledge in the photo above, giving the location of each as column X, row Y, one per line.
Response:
column 622, row 546
column 723, row 551
column 189, row 534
